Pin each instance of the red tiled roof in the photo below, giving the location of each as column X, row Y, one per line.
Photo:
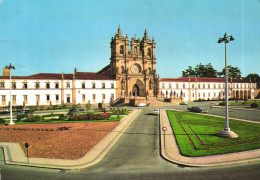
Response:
column 202, row 79
column 79, row 75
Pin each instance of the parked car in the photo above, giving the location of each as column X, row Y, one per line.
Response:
column 76, row 109
column 156, row 111
column 183, row 103
column 141, row 105
column 197, row 109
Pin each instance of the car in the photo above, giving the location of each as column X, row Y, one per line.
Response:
column 141, row 105
column 156, row 111
column 183, row 103
column 197, row 109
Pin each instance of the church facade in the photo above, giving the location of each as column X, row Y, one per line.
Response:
column 134, row 69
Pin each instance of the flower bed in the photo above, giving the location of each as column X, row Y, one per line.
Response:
column 103, row 116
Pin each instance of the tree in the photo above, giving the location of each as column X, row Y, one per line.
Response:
column 200, row 71
column 254, row 77
column 188, row 72
column 233, row 72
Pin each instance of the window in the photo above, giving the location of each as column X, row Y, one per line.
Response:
column 183, row 85
column 94, row 97
column 183, row 94
column 204, row 86
column 57, row 97
column 163, row 86
column 103, row 85
column 3, row 100
column 208, row 95
column 199, row 95
column 2, row 85
column 135, row 49
column 199, row 86
column 25, row 85
column 83, row 97
column 112, row 85
column 47, row 85
column 170, row 85
column 177, row 86
column 67, row 85
column 93, row 85
column 57, row 85
column 14, row 99
column 112, row 96
column 209, row 86
column 204, row 95
column 193, row 86
column 149, row 52
column 37, row 85
column 68, row 98
column 122, row 49
column 37, row 99
column 103, row 96
column 25, row 99
column 13, row 85
column 83, row 86
column 193, row 95
column 47, row 97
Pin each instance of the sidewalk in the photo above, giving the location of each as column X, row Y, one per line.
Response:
column 15, row 155
column 170, row 150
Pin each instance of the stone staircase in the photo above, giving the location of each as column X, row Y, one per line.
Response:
column 153, row 101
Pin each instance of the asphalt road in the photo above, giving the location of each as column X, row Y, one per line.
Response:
column 136, row 155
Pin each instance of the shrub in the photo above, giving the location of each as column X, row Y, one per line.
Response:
column 99, row 105
column 254, row 105
column 2, row 120
column 33, row 119
column 61, row 117
column 102, row 116
column 19, row 117
column 88, row 106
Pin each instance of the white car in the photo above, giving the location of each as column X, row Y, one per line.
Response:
column 156, row 111
column 141, row 105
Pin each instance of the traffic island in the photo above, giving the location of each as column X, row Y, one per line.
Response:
column 185, row 143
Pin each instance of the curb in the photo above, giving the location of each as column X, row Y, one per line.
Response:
column 14, row 155
column 170, row 151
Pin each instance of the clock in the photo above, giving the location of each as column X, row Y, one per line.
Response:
column 135, row 69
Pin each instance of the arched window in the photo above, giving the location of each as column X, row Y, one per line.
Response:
column 122, row 49
column 149, row 52
column 135, row 49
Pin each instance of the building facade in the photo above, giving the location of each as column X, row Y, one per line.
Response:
column 57, row 89
column 195, row 88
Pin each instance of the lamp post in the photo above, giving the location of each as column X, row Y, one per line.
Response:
column 226, row 132
column 10, row 67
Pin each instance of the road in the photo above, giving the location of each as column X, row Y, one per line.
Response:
column 136, row 155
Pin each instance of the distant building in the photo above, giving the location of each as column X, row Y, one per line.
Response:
column 130, row 77
column 195, row 88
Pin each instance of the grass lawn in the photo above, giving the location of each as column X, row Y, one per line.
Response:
column 196, row 134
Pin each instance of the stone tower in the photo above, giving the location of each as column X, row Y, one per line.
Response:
column 134, row 69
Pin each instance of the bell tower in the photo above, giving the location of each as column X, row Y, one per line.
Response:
column 134, row 69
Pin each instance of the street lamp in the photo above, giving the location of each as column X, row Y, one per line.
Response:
column 11, row 110
column 226, row 132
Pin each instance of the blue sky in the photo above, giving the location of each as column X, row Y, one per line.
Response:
column 54, row 36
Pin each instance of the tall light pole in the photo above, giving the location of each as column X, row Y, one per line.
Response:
column 226, row 132
column 10, row 67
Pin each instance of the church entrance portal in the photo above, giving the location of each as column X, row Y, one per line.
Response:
column 136, row 90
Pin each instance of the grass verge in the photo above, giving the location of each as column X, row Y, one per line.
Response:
column 196, row 134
